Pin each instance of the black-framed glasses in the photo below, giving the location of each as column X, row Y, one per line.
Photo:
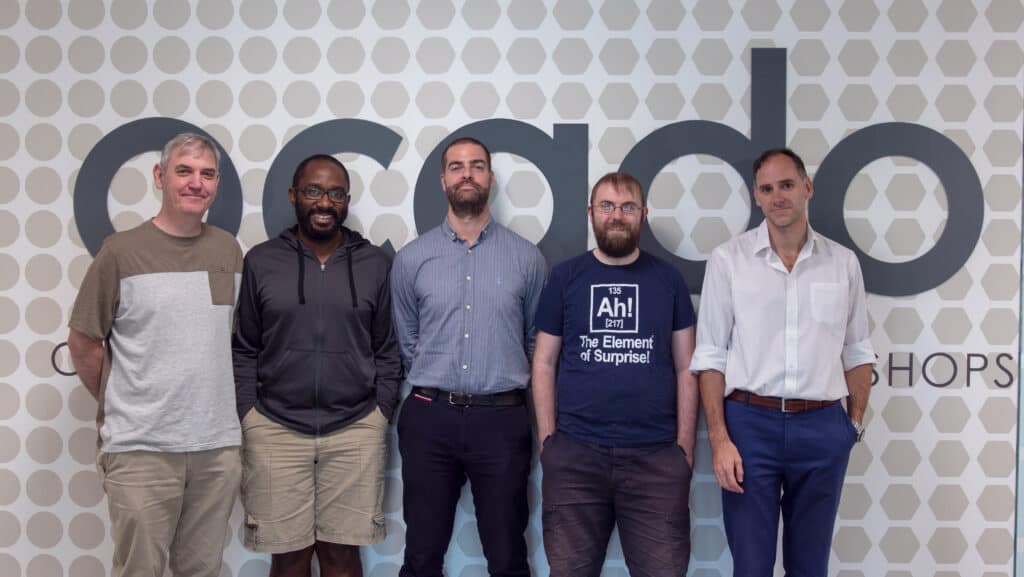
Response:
column 627, row 208
column 336, row 195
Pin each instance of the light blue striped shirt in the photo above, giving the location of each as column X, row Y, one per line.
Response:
column 464, row 315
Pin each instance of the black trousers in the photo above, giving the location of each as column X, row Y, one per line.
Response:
column 442, row 445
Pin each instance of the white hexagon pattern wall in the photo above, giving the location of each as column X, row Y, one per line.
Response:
column 932, row 489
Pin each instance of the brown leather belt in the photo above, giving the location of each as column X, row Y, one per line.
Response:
column 778, row 403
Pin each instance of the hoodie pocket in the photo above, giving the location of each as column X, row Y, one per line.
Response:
column 344, row 381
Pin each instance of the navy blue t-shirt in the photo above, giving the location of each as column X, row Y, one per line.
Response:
column 616, row 380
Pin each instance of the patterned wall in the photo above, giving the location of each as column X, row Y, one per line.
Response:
column 931, row 491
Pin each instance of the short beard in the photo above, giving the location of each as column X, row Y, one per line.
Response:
column 315, row 234
column 616, row 247
column 463, row 206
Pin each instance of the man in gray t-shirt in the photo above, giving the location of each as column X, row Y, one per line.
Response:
column 151, row 341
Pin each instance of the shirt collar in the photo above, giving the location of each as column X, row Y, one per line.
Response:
column 451, row 235
column 762, row 244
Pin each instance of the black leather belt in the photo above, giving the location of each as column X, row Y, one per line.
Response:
column 503, row 399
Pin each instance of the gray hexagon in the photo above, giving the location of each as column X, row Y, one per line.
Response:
column 900, row 502
column 809, row 102
column 996, row 503
column 390, row 55
column 712, row 56
column 851, row 544
column 480, row 55
column 390, row 15
column 905, row 192
column 906, row 57
column 861, row 193
column 526, row 55
column 572, row 56
column 955, row 58
column 907, row 15
column 1001, row 237
column 809, row 15
column 862, row 232
column 901, row 414
column 950, row 415
column 709, row 232
column 1005, row 58
column 906, row 102
column 858, row 15
column 573, row 14
column 665, row 15
column 1003, row 103
column 1000, row 326
column 858, row 57
column 665, row 101
column 761, row 16
column 811, row 143
column 481, row 14
column 711, row 190
column 667, row 230
column 955, row 103
column 903, row 325
column 435, row 99
column 619, row 56
column 1005, row 15
column 615, row 143
column 961, row 138
column 854, row 502
column 571, row 100
column 665, row 191
column 525, row 100
column 956, row 15
column 809, row 57
column 995, row 546
column 665, row 56
column 1003, row 148
column 618, row 101
column 949, row 458
column 527, row 226
column 389, row 188
column 527, row 14
column 524, row 189
column 948, row 503
column 1000, row 282
column 904, row 236
column 708, row 543
column 1002, row 192
column 899, row 544
column 858, row 102
column 712, row 101
column 480, row 99
column 951, row 325
column 860, row 460
column 998, row 415
column 947, row 545
column 619, row 14
column 428, row 139
column 900, row 458
column 435, row 14
column 435, row 55
column 712, row 15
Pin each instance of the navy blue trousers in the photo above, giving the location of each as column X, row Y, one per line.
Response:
column 443, row 445
column 793, row 463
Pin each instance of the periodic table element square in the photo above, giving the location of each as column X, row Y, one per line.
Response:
column 614, row 308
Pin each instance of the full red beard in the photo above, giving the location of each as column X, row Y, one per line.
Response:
column 617, row 246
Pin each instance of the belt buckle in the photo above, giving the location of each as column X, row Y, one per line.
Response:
column 464, row 399
column 784, row 406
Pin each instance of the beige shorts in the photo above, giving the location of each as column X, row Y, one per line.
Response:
column 298, row 489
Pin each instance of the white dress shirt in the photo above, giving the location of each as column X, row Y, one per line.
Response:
column 781, row 333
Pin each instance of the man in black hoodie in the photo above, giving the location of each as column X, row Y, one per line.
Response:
column 317, row 372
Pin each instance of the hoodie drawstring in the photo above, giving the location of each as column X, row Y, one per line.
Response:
column 302, row 273
column 351, row 278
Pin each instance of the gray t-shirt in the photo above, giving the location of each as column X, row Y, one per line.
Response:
column 165, row 307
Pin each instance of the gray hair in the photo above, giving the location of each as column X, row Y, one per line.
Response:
column 188, row 140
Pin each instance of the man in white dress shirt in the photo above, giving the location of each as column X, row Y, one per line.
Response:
column 782, row 337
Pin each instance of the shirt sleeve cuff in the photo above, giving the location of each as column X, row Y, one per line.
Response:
column 857, row 354
column 708, row 357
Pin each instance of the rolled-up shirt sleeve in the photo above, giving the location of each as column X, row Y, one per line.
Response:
column 714, row 317
column 857, row 349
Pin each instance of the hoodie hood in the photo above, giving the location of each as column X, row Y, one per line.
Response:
column 353, row 240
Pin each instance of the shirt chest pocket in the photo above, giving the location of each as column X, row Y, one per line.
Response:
column 828, row 305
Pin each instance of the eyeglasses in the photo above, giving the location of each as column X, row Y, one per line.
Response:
column 627, row 208
column 337, row 195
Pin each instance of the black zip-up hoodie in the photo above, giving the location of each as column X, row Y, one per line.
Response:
column 314, row 346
